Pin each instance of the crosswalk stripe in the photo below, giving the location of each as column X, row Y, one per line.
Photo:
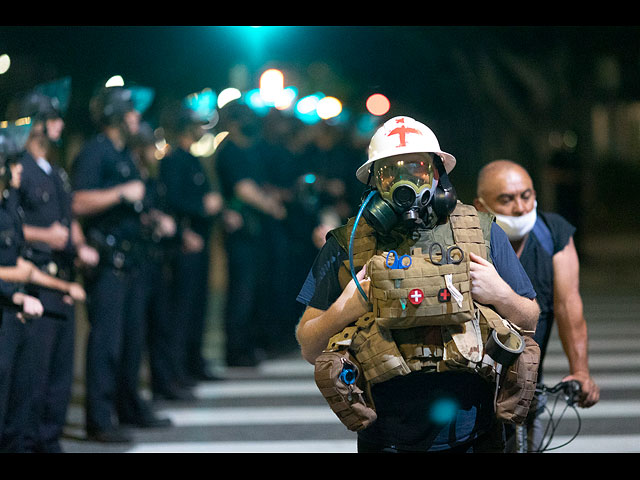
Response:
column 289, row 415
column 248, row 389
column 581, row 444
column 286, row 368
column 604, row 409
column 598, row 360
column 597, row 444
column 613, row 409
column 285, row 415
column 606, row 381
column 305, row 388
column 295, row 446
column 630, row 343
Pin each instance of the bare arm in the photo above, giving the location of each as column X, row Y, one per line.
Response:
column 55, row 235
column 316, row 327
column 250, row 192
column 572, row 327
column 38, row 277
column 20, row 273
column 487, row 287
column 91, row 202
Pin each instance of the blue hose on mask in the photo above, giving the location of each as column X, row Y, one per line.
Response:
column 353, row 232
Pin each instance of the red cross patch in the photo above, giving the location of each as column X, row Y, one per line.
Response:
column 416, row 296
column 444, row 295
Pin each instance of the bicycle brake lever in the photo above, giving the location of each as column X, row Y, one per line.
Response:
column 572, row 390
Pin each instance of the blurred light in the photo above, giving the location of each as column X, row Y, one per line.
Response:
column 305, row 109
column 255, row 101
column 203, row 147
column 22, row 121
column 443, row 411
column 228, row 95
column 142, row 97
column 162, row 147
column 203, row 103
column 219, row 138
column 5, row 63
column 309, row 178
column 378, row 104
column 271, row 85
column 115, row 81
column 308, row 104
column 328, row 107
column 286, row 98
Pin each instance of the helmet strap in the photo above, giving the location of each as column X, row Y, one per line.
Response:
column 445, row 197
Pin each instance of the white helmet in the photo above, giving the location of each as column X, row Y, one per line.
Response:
column 402, row 135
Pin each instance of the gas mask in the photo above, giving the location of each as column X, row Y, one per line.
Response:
column 410, row 189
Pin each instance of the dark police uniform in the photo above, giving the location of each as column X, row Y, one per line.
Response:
column 247, row 256
column 16, row 347
column 160, row 320
column 45, row 197
column 186, row 185
column 114, row 290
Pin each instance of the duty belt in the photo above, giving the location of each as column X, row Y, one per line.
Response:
column 119, row 253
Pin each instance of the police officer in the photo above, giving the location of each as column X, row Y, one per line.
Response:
column 18, row 355
column 410, row 203
column 53, row 241
column 194, row 204
column 108, row 195
column 162, row 245
column 15, row 355
column 241, row 174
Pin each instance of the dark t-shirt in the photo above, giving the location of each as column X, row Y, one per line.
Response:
column 422, row 411
column 551, row 234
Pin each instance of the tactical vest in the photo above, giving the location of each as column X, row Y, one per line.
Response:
column 421, row 318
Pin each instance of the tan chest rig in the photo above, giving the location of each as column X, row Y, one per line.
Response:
column 432, row 333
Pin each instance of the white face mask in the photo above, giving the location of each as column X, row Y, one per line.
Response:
column 515, row 227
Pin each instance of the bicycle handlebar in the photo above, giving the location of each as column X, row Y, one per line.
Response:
column 570, row 388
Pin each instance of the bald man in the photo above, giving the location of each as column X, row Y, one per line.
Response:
column 544, row 244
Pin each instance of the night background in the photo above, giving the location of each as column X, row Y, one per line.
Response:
column 562, row 100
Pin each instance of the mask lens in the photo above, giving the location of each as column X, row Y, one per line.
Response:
column 404, row 196
column 415, row 169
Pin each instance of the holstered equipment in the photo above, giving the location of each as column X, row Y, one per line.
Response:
column 519, row 384
column 422, row 319
column 339, row 378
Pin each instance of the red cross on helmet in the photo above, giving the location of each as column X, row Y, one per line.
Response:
column 401, row 135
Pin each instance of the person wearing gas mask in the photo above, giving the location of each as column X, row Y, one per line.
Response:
column 108, row 195
column 543, row 241
column 405, row 295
